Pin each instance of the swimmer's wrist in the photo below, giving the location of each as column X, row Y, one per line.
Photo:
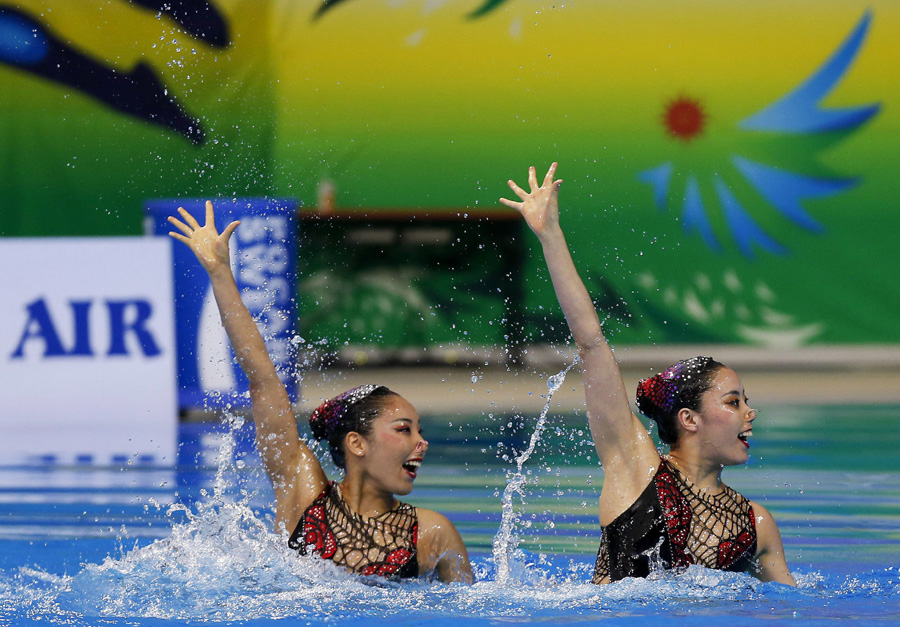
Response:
column 220, row 271
column 552, row 236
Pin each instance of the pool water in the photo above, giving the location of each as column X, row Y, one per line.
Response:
column 194, row 543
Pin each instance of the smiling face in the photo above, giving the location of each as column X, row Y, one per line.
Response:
column 395, row 447
column 726, row 420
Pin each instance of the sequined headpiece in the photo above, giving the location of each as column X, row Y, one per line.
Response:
column 662, row 389
column 327, row 418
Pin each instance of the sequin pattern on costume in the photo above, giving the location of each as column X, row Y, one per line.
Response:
column 721, row 527
column 673, row 524
column 384, row 545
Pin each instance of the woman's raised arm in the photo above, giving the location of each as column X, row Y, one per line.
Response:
column 622, row 442
column 295, row 472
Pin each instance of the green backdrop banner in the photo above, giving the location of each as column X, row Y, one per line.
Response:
column 728, row 167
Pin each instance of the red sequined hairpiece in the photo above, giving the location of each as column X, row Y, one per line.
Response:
column 327, row 416
column 660, row 390
column 663, row 388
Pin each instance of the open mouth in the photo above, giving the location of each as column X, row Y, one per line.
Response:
column 412, row 467
column 744, row 436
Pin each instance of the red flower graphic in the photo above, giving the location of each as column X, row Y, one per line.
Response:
column 684, row 118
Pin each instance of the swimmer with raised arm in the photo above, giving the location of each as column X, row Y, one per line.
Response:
column 676, row 506
column 374, row 435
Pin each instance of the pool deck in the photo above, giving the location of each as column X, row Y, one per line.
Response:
column 816, row 376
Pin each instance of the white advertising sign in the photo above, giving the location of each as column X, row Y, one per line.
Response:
column 87, row 351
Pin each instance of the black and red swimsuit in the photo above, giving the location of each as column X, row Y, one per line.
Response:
column 384, row 545
column 673, row 524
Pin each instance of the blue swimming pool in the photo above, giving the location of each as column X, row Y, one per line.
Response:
column 193, row 543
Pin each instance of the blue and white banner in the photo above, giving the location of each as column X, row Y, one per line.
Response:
column 87, row 351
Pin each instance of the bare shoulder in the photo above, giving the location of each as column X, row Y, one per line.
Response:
column 434, row 526
column 765, row 522
column 771, row 564
column 767, row 534
column 441, row 548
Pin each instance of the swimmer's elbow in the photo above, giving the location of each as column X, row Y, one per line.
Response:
column 787, row 579
column 771, row 571
column 466, row 578
column 455, row 568
column 591, row 344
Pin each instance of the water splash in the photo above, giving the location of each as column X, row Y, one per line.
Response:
column 221, row 563
column 655, row 560
column 506, row 540
column 263, row 584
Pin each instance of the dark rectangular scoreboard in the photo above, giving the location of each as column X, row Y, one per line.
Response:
column 410, row 286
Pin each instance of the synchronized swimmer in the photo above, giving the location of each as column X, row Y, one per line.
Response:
column 374, row 435
column 674, row 507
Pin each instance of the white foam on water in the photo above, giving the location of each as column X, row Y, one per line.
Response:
column 222, row 563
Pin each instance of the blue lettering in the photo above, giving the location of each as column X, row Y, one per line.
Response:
column 80, row 311
column 40, row 325
column 118, row 327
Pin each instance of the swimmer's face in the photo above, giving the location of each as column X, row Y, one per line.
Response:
column 395, row 448
column 726, row 419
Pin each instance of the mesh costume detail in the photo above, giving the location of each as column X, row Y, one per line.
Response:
column 673, row 524
column 384, row 545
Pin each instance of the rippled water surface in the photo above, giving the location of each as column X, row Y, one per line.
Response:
column 194, row 542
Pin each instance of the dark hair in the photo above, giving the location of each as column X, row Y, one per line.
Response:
column 353, row 410
column 681, row 385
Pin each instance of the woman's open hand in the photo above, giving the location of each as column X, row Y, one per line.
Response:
column 210, row 247
column 540, row 207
